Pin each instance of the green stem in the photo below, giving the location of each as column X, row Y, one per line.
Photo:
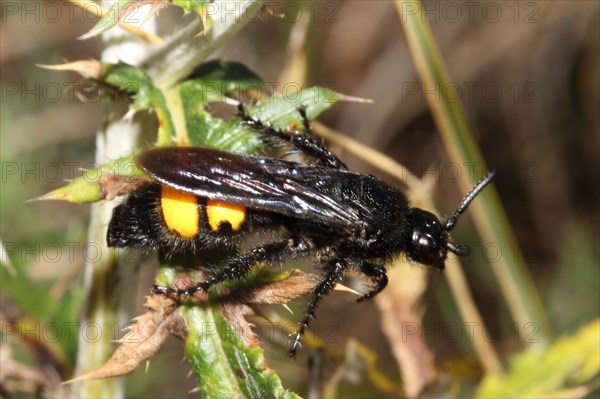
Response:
column 490, row 219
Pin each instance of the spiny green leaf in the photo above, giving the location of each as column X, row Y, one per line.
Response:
column 132, row 80
column 227, row 367
column 213, row 80
column 89, row 187
column 203, row 129
column 110, row 19
column 210, row 82
column 206, row 130
column 233, row 76
column 113, row 15
column 283, row 110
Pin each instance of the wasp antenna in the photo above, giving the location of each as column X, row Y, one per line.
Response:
column 459, row 250
column 467, row 200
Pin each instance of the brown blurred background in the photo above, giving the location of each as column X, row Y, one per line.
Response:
column 528, row 75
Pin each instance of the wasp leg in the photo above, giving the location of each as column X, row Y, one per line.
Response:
column 304, row 141
column 377, row 274
column 239, row 266
column 334, row 270
column 305, row 121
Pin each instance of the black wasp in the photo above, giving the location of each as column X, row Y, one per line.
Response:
column 203, row 198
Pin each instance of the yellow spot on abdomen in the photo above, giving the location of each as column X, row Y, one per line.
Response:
column 222, row 212
column 180, row 211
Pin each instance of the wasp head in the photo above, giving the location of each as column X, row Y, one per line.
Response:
column 428, row 241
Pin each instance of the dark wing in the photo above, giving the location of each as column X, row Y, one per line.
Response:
column 256, row 182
